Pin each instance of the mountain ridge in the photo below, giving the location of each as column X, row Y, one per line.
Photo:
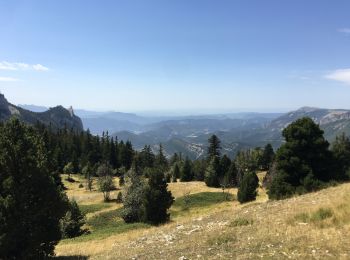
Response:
column 58, row 117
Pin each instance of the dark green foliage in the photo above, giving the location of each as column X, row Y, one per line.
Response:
column 303, row 163
column 88, row 173
column 121, row 180
column 68, row 169
column 247, row 188
column 225, row 164
column 176, row 172
column 168, row 177
column 157, row 199
column 231, row 175
column 211, row 177
column 31, row 203
column 126, row 154
column 186, row 171
column 105, row 185
column 199, row 167
column 161, row 162
column 341, row 152
column 72, row 222
column 133, row 197
column 267, row 157
column 80, row 148
column 119, row 197
column 214, row 149
column 147, row 157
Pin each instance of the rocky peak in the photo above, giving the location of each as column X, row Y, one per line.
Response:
column 3, row 100
column 71, row 111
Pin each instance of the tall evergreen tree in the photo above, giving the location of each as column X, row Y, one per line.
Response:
column 161, row 161
column 267, row 157
column 147, row 157
column 133, row 197
column 214, row 149
column 176, row 172
column 186, row 171
column 211, row 177
column 303, row 161
column 31, row 204
column 157, row 199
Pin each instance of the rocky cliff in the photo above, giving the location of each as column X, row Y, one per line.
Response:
column 57, row 117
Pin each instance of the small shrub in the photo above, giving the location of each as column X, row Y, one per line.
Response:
column 81, row 185
column 302, row 217
column 321, row 214
column 238, row 222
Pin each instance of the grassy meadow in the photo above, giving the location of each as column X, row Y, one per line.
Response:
column 208, row 224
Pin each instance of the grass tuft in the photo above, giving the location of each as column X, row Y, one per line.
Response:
column 238, row 222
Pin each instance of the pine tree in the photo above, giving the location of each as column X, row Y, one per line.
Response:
column 176, row 172
column 341, row 152
column 31, row 204
column 133, row 197
column 186, row 171
column 303, row 162
column 147, row 157
column 214, row 147
column 211, row 176
column 247, row 188
column 231, row 175
column 72, row 222
column 225, row 164
column 267, row 157
column 157, row 199
column 161, row 162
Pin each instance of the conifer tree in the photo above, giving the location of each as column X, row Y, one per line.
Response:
column 72, row 222
column 186, row 171
column 176, row 172
column 157, row 199
column 31, row 204
column 161, row 162
column 303, row 162
column 214, row 149
column 267, row 157
column 247, row 190
column 133, row 197
column 211, row 176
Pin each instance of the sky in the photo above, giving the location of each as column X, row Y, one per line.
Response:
column 176, row 55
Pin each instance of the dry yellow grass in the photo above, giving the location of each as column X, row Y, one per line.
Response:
column 261, row 229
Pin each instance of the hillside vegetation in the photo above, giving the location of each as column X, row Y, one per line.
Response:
column 315, row 225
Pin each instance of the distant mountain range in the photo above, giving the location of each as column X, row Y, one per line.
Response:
column 189, row 134
column 58, row 117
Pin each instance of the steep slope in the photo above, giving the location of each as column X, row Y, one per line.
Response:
column 57, row 117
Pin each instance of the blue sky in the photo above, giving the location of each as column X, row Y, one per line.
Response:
column 179, row 55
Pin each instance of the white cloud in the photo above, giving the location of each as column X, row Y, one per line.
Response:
column 40, row 67
column 342, row 75
column 4, row 65
column 344, row 30
column 8, row 79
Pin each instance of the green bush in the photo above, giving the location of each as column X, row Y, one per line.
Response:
column 247, row 188
column 73, row 221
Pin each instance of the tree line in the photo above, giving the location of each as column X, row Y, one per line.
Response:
column 35, row 211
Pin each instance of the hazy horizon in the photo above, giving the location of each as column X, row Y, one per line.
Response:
column 176, row 56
